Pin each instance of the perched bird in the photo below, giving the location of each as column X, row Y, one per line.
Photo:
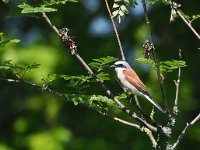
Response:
column 130, row 81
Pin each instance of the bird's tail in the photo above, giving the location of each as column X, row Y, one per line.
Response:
column 154, row 103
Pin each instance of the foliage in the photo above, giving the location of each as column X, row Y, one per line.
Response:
column 120, row 8
column 100, row 65
column 30, row 9
column 191, row 18
column 152, row 2
column 5, row 42
column 44, row 7
column 20, row 69
column 99, row 102
column 165, row 66
column 78, row 89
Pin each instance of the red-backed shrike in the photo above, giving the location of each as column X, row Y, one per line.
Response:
column 130, row 81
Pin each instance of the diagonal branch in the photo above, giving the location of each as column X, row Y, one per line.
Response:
column 119, row 120
column 142, row 129
column 33, row 84
column 188, row 24
column 180, row 137
column 116, row 32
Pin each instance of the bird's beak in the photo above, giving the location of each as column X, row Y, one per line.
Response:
column 112, row 66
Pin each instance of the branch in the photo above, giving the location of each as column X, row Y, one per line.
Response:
column 32, row 84
column 157, row 65
column 69, row 43
column 188, row 24
column 116, row 32
column 59, row 94
column 119, row 120
column 177, row 83
column 142, row 129
column 188, row 125
column 151, row 137
column 175, row 13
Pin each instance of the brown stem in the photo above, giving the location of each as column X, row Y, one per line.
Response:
column 116, row 32
column 188, row 24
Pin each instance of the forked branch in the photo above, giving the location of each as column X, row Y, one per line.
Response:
column 180, row 137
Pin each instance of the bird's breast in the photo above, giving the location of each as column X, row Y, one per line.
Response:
column 126, row 84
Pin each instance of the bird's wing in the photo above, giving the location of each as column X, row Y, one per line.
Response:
column 133, row 78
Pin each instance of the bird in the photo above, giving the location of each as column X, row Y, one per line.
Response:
column 130, row 81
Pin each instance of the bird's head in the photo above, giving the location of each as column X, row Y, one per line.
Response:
column 121, row 64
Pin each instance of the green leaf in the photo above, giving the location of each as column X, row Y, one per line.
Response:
column 152, row 2
column 121, row 96
column 57, row 2
column 115, row 5
column 120, row 8
column 165, row 66
column 148, row 62
column 98, row 102
column 6, row 42
column 3, row 43
column 195, row 17
column 19, row 70
column 101, row 63
column 103, row 76
column 124, row 9
column 169, row 66
column 115, row 13
column 30, row 9
column 49, row 79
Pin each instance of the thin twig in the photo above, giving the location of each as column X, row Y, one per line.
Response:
column 49, row 22
column 175, row 12
column 147, row 20
column 33, row 84
column 151, row 137
column 173, row 117
column 142, row 129
column 116, row 32
column 188, row 24
column 180, row 137
column 119, row 120
column 157, row 65
column 177, row 83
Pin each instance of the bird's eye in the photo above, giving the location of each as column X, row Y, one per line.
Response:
column 120, row 66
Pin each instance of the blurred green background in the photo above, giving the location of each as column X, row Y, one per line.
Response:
column 35, row 120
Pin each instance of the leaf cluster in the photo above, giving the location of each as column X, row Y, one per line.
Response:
column 100, row 65
column 4, row 42
column 99, row 102
column 120, row 8
column 44, row 6
column 165, row 66
column 77, row 89
column 18, row 70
